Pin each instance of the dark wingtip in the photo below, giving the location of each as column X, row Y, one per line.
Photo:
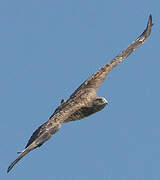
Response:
column 9, row 168
column 150, row 24
column 147, row 31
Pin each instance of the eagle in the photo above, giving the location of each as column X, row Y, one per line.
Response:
column 83, row 102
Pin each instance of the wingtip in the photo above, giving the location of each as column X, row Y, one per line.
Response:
column 147, row 31
column 150, row 21
column 150, row 16
column 9, row 168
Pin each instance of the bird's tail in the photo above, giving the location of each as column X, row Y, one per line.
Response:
column 23, row 153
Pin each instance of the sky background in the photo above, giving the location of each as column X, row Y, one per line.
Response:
column 47, row 49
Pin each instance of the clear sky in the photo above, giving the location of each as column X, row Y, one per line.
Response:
column 47, row 49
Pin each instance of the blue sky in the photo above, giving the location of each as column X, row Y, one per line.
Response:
column 48, row 48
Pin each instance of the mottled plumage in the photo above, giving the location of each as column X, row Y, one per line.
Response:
column 83, row 102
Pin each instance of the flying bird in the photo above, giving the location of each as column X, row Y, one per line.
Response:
column 83, row 102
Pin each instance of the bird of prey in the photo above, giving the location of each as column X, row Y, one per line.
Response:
column 83, row 102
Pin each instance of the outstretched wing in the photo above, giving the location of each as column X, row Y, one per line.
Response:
column 45, row 131
column 97, row 78
column 41, row 135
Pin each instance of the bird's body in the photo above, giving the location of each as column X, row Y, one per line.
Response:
column 83, row 102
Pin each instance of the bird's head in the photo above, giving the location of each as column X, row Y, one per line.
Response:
column 99, row 103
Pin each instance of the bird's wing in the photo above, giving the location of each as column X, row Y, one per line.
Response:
column 42, row 134
column 97, row 78
column 45, row 131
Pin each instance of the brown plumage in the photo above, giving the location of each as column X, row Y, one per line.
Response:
column 83, row 102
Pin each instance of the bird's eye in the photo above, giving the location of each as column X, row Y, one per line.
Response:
column 98, row 100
